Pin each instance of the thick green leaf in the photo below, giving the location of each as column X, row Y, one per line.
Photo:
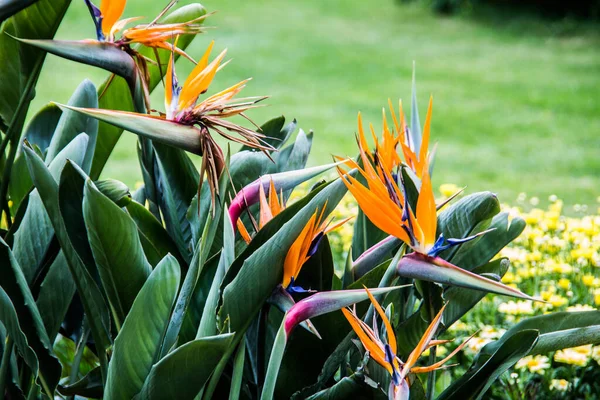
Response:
column 295, row 156
column 42, row 126
column 199, row 297
column 274, row 363
column 70, row 203
column 350, row 387
column 117, row 249
column 197, row 265
column 15, row 285
column 469, row 215
column 21, row 63
column 558, row 330
column 35, row 232
column 478, row 252
column 56, row 293
column 208, row 322
column 485, row 370
column 238, row 371
column 10, row 7
column 115, row 94
column 39, row 132
column 10, row 320
column 72, row 124
column 88, row 386
column 138, row 344
column 91, row 297
column 115, row 190
column 156, row 241
column 177, row 183
column 183, row 372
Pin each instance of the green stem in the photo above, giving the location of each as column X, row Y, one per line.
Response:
column 13, row 133
column 431, row 376
column 78, row 356
column 33, row 391
column 103, row 366
column 8, row 348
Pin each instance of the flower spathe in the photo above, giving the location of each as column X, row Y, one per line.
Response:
column 384, row 201
column 269, row 208
column 384, row 353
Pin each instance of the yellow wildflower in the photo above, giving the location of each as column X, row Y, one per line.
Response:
column 537, row 364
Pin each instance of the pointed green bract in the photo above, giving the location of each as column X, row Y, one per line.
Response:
column 105, row 55
column 418, row 266
column 184, row 137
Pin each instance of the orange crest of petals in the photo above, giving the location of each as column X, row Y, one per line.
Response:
column 111, row 12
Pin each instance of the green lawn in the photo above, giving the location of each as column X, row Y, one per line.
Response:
column 516, row 103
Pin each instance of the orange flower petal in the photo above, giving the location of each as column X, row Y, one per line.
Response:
column 374, row 350
column 111, row 12
column 388, row 326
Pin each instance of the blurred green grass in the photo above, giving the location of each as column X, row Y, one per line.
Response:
column 516, row 101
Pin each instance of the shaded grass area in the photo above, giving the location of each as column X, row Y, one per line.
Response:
column 516, row 101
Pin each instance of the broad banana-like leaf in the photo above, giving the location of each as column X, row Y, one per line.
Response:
column 418, row 266
column 14, row 283
column 11, row 7
column 485, row 370
column 249, row 195
column 39, row 133
column 310, row 307
column 208, row 321
column 117, row 250
column 22, row 64
column 156, row 241
column 137, row 347
column 470, row 215
column 91, row 297
column 167, row 378
column 557, row 330
column 115, row 190
column 52, row 303
column 35, row 232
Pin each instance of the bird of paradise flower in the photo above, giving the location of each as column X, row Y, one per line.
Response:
column 384, row 353
column 384, row 200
